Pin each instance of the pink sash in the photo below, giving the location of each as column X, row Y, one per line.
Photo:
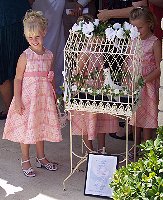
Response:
column 38, row 74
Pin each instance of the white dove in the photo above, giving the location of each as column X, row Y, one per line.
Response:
column 108, row 80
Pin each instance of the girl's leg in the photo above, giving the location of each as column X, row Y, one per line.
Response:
column 41, row 160
column 88, row 142
column 101, row 141
column 25, row 155
column 25, row 162
column 40, row 152
column 147, row 134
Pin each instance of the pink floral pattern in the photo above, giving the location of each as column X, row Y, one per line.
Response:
column 92, row 124
column 147, row 112
column 50, row 76
column 39, row 121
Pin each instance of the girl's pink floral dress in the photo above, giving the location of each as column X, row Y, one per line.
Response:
column 39, row 121
column 147, row 113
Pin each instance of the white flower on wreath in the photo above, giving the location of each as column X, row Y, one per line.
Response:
column 116, row 91
column 96, row 22
column 74, row 88
column 110, row 33
column 88, row 28
column 117, row 26
column 76, row 28
column 120, row 33
column 127, row 26
column 90, row 90
column 116, row 30
column 134, row 32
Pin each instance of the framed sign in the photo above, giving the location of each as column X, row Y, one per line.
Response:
column 100, row 170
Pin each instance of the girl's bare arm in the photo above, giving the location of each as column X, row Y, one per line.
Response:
column 119, row 13
column 22, row 61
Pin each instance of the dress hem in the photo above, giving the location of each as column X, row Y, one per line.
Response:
column 23, row 142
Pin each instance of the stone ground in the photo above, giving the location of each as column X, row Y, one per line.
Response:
column 46, row 185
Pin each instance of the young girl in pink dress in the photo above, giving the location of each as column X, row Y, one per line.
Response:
column 33, row 117
column 92, row 125
column 147, row 113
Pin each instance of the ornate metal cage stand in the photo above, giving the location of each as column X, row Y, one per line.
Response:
column 101, row 76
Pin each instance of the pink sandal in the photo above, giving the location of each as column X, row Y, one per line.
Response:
column 28, row 172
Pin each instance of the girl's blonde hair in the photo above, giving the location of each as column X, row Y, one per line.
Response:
column 143, row 13
column 34, row 21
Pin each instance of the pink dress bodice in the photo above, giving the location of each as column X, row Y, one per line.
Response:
column 38, row 63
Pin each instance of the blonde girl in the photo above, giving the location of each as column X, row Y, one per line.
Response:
column 147, row 113
column 32, row 117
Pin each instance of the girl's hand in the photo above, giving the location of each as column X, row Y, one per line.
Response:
column 19, row 107
column 103, row 15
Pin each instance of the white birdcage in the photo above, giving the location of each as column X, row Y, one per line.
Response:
column 102, row 75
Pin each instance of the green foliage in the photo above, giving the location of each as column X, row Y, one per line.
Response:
column 142, row 180
column 141, row 82
column 100, row 29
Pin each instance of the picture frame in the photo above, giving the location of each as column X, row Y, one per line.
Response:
column 99, row 173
